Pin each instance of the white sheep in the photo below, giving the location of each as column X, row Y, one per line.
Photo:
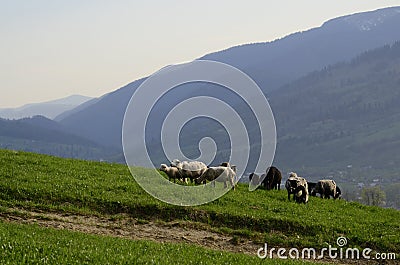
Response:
column 220, row 174
column 188, row 165
column 191, row 169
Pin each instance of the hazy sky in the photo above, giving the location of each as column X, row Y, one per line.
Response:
column 51, row 48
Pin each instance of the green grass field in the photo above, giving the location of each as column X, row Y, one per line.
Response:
column 44, row 183
column 30, row 244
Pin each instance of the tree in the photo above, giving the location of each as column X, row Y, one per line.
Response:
column 373, row 196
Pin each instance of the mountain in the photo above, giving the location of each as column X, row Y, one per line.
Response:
column 49, row 109
column 345, row 116
column 77, row 108
column 42, row 135
column 272, row 65
column 102, row 121
column 343, row 120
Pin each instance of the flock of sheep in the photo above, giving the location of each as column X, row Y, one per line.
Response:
column 198, row 173
column 298, row 186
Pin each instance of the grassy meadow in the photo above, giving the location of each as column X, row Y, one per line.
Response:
column 30, row 244
column 44, row 183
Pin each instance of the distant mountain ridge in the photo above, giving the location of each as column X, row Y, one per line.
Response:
column 272, row 65
column 105, row 117
column 78, row 108
column 49, row 109
column 369, row 20
column 42, row 135
column 39, row 128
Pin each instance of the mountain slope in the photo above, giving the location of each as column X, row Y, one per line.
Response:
column 78, row 108
column 42, row 135
column 102, row 121
column 344, row 115
column 271, row 65
column 276, row 63
column 41, row 129
column 49, row 109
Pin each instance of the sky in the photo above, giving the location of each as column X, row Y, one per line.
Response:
column 51, row 49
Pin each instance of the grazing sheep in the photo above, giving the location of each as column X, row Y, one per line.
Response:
column 220, row 174
column 293, row 182
column 191, row 170
column 172, row 172
column 301, row 194
column 273, row 179
column 326, row 188
column 191, row 165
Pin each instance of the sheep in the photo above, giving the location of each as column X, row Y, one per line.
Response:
column 293, row 182
column 172, row 172
column 191, row 170
column 273, row 179
column 326, row 188
column 191, row 165
column 301, row 194
column 311, row 190
column 220, row 174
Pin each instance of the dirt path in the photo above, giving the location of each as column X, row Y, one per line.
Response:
column 125, row 226
column 128, row 227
